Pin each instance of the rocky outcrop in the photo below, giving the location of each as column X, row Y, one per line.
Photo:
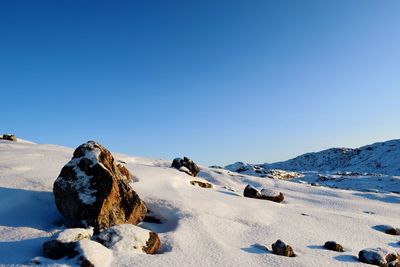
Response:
column 9, row 137
column 332, row 245
column 201, row 184
column 186, row 165
column 266, row 194
column 280, row 248
column 378, row 256
column 127, row 237
column 92, row 190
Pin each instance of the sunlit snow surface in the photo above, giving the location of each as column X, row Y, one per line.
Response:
column 201, row 227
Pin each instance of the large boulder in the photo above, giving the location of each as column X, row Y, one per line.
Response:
column 378, row 256
column 186, row 165
column 127, row 237
column 91, row 190
column 251, row 192
column 272, row 195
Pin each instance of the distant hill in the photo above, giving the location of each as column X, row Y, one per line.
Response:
column 382, row 158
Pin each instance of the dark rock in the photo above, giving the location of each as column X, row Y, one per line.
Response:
column 186, row 165
column 332, row 245
column 91, row 190
column 392, row 230
column 65, row 243
column 280, row 248
column 55, row 249
column 10, row 137
column 377, row 256
column 201, row 184
column 251, row 192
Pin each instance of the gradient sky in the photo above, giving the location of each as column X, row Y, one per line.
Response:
column 218, row 81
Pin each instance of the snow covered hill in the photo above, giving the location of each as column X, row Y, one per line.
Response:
column 200, row 226
column 382, row 158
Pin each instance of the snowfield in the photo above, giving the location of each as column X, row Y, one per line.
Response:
column 201, row 226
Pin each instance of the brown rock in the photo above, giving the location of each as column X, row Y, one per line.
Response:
column 201, row 184
column 332, row 245
column 91, row 190
column 125, row 172
column 280, row 248
column 271, row 195
column 152, row 244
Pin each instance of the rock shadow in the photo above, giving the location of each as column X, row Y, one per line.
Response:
column 256, row 249
column 27, row 208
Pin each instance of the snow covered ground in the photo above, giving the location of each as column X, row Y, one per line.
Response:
column 201, row 227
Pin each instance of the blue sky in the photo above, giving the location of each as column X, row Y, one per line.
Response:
column 218, row 81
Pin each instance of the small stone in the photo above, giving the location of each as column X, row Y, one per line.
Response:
column 280, row 248
column 392, row 230
column 332, row 245
column 201, row 184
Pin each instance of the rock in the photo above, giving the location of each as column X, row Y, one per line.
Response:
column 280, row 248
column 201, row 184
column 128, row 237
column 64, row 244
column 251, row 192
column 10, row 137
column 332, row 245
column 392, row 230
column 186, row 165
column 395, row 263
column 377, row 256
column 271, row 195
column 91, row 190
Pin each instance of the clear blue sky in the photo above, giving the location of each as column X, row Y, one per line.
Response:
column 218, row 81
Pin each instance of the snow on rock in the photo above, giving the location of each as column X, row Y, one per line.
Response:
column 185, row 165
column 128, row 237
column 91, row 190
column 377, row 256
column 91, row 253
column 270, row 194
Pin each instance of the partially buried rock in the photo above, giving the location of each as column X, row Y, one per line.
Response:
column 378, row 256
column 186, row 165
column 280, row 248
column 93, row 254
column 201, row 184
column 64, row 244
column 251, row 192
column 91, row 190
column 392, row 230
column 272, row 195
column 332, row 245
column 128, row 237
column 10, row 137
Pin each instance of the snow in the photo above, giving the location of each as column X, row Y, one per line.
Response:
column 213, row 227
column 74, row 234
column 96, row 253
column 269, row 193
